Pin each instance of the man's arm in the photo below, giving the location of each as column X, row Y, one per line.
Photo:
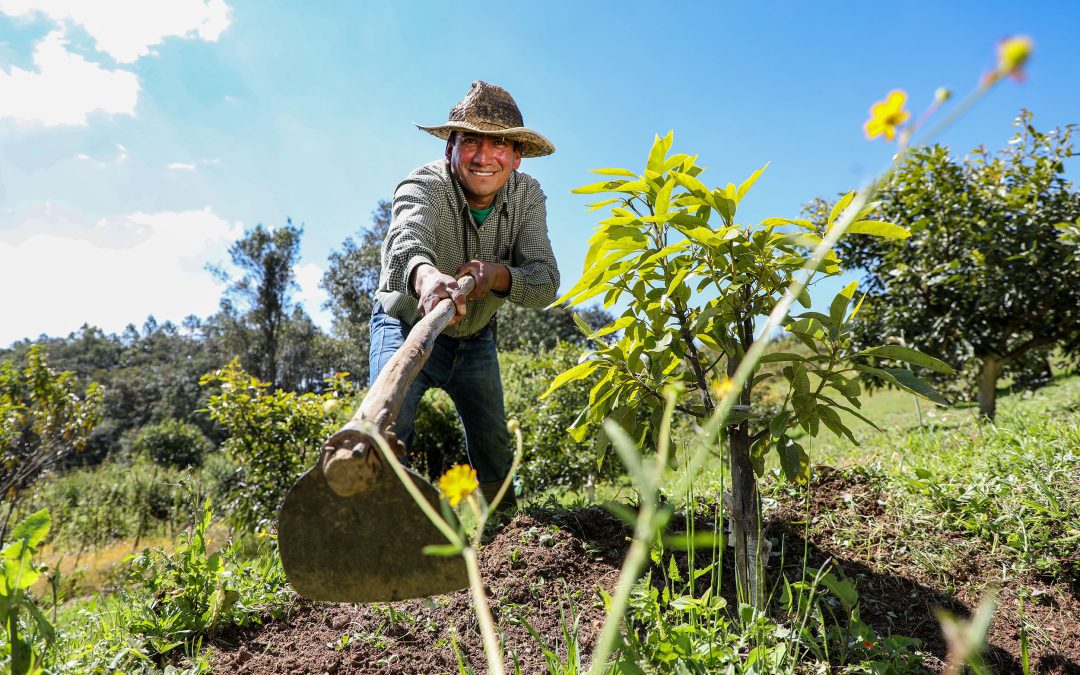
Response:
column 410, row 240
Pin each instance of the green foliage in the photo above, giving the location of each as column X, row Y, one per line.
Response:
column 1015, row 487
column 262, row 324
column 677, row 623
column 350, row 282
column 173, row 601
column 42, row 420
column 521, row 328
column 120, row 498
column 172, row 443
column 991, row 273
column 272, row 436
column 694, row 292
column 27, row 633
column 439, row 440
column 552, row 458
column 147, row 376
column 194, row 591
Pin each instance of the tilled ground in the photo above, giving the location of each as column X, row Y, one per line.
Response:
column 545, row 569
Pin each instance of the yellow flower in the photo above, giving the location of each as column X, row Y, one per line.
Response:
column 887, row 115
column 1013, row 53
column 458, row 483
column 721, row 388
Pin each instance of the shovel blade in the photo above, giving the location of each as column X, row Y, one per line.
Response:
column 364, row 548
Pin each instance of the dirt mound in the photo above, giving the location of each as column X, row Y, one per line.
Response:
column 545, row 568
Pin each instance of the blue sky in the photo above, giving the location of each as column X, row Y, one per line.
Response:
column 139, row 138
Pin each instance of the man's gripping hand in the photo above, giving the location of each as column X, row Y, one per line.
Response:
column 489, row 277
column 432, row 286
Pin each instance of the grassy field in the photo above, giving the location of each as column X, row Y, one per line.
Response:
column 936, row 510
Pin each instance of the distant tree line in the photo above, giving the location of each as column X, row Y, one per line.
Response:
column 149, row 375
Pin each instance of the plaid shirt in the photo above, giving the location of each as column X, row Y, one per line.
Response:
column 432, row 224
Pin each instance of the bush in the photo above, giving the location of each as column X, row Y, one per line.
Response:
column 552, row 458
column 439, row 439
column 272, row 436
column 172, row 443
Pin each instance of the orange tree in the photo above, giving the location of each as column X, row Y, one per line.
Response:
column 695, row 282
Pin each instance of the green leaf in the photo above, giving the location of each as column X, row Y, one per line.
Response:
column 441, row 550
column 781, row 356
column 26, row 536
column 578, row 372
column 839, row 207
column 659, row 152
column 906, row 380
column 843, row 590
column 673, row 570
column 601, row 204
column 839, row 306
column 749, row 182
column 794, row 462
column 779, row 423
column 878, row 228
column 602, row 186
column 614, row 172
column 663, row 198
column 692, row 184
column 909, row 355
column 585, row 328
column 830, row 419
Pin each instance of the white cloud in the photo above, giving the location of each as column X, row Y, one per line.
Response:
column 65, row 88
column 308, row 276
column 180, row 166
column 126, row 29
column 134, row 265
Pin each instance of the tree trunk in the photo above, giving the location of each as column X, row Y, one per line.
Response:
column 988, row 377
column 744, row 517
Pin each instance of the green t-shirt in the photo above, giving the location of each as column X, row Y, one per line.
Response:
column 481, row 214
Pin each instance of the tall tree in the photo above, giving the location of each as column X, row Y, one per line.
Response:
column 258, row 303
column 350, row 282
column 991, row 273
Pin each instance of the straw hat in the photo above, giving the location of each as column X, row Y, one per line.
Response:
column 489, row 109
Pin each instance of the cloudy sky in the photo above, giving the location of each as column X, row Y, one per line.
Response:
column 138, row 138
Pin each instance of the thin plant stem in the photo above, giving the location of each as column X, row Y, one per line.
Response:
column 483, row 613
column 644, row 530
column 437, row 520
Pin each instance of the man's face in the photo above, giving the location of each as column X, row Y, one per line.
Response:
column 482, row 164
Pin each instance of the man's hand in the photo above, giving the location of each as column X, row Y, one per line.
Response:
column 432, row 286
column 489, row 277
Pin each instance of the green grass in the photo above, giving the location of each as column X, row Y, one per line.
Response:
column 1012, row 483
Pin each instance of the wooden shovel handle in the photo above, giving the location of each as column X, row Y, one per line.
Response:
column 350, row 460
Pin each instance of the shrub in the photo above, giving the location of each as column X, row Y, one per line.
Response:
column 439, row 440
column 172, row 443
column 273, row 438
column 552, row 457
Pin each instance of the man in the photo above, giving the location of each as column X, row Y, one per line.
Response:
column 470, row 213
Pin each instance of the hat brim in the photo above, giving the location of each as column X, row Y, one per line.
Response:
column 529, row 142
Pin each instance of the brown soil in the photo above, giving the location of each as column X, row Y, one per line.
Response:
column 546, row 568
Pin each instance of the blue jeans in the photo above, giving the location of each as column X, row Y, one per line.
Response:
column 467, row 370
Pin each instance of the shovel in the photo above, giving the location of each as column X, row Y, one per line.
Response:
column 349, row 531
